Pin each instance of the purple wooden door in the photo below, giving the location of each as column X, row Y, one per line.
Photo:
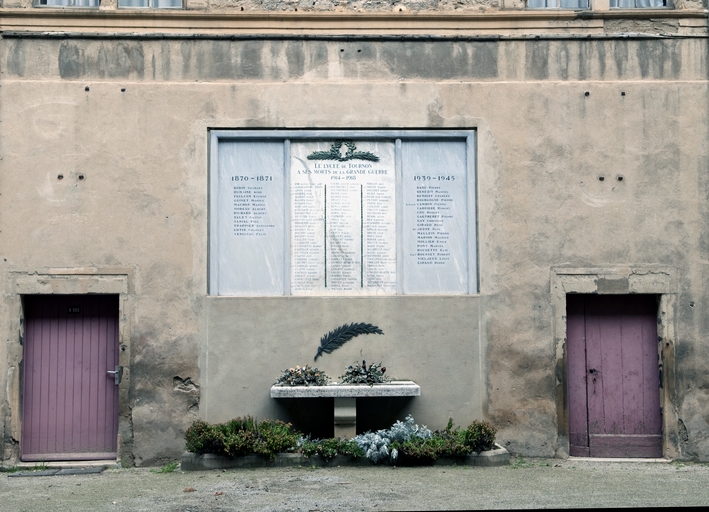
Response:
column 613, row 376
column 69, row 401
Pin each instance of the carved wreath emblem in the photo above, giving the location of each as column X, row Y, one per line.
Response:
column 338, row 153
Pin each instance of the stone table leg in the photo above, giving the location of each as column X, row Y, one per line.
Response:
column 345, row 417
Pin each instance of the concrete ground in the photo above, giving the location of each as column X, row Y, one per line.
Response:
column 525, row 483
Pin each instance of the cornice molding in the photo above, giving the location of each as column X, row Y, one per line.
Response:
column 340, row 23
column 332, row 23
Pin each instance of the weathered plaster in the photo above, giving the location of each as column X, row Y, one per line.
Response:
column 132, row 116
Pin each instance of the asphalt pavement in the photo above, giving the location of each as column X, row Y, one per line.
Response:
column 525, row 483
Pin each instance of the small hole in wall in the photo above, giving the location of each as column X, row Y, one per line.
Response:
column 123, row 89
column 691, row 304
column 622, row 93
column 587, row 93
column 601, row 178
column 620, row 178
column 243, row 8
column 86, row 88
column 60, row 176
column 81, row 176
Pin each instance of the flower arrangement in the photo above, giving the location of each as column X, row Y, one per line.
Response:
column 361, row 374
column 303, row 376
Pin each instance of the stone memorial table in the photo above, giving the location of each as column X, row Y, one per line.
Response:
column 346, row 398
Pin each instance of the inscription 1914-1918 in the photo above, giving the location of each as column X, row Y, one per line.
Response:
column 344, row 221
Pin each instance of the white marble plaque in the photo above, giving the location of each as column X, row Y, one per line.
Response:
column 343, row 218
column 435, row 217
column 250, row 226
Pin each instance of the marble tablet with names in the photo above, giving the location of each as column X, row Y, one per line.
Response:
column 249, row 227
column 435, row 217
column 343, row 218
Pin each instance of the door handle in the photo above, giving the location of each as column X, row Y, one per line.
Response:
column 117, row 374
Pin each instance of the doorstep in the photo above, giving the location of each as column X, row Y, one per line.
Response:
column 70, row 464
column 59, row 472
column 61, row 468
column 618, row 459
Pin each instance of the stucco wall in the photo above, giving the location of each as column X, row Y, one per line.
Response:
column 133, row 115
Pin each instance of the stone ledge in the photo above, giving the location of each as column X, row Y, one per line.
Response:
column 205, row 462
column 394, row 388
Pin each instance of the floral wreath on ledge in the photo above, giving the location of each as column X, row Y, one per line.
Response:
column 335, row 154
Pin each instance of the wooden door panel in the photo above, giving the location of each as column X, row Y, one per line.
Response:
column 625, row 445
column 619, row 365
column 576, row 381
column 70, row 402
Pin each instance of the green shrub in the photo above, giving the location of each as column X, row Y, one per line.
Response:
column 274, row 437
column 404, row 442
column 240, row 436
column 407, row 449
column 328, row 448
column 480, row 436
column 417, row 450
column 202, row 437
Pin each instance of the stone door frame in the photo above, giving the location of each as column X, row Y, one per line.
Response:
column 79, row 281
column 660, row 281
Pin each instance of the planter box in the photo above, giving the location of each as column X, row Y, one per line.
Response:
column 194, row 462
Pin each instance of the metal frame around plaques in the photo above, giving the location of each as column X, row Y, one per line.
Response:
column 287, row 136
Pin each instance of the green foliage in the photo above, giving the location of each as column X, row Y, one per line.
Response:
column 356, row 374
column 417, row 450
column 201, row 437
column 376, row 445
column 305, row 376
column 677, row 464
column 240, row 436
column 39, row 466
column 274, row 437
column 405, row 442
column 408, row 444
column 480, row 436
column 328, row 448
column 168, row 468
column 521, row 462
